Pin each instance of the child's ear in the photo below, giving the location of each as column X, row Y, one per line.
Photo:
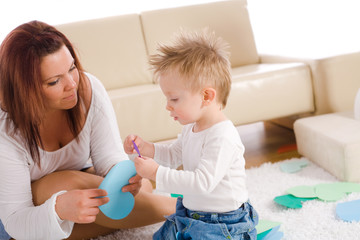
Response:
column 209, row 94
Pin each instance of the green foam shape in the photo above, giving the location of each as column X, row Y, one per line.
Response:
column 348, row 187
column 265, row 225
column 302, row 191
column 335, row 191
column 329, row 192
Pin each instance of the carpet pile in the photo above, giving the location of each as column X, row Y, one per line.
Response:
column 316, row 220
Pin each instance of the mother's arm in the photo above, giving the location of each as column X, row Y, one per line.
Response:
column 21, row 218
column 106, row 147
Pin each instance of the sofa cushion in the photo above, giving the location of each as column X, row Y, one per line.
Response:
column 229, row 19
column 336, row 79
column 259, row 92
column 141, row 110
column 268, row 91
column 112, row 49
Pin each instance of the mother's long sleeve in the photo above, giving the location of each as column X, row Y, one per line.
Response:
column 105, row 142
column 23, row 220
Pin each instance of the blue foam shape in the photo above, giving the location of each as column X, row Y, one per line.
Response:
column 294, row 166
column 275, row 236
column 349, row 211
column 121, row 203
column 271, row 234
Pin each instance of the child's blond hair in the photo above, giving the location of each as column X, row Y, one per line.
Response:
column 201, row 59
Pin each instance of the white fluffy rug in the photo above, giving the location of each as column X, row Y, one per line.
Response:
column 315, row 220
column 142, row 233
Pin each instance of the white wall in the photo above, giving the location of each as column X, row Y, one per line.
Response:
column 16, row 12
column 306, row 27
column 290, row 27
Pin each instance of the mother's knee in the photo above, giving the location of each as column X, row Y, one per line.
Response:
column 46, row 186
column 80, row 180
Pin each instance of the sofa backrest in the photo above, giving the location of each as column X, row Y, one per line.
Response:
column 228, row 19
column 112, row 49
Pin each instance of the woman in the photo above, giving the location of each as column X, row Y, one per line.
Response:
column 53, row 117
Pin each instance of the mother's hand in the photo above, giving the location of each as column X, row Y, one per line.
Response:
column 80, row 206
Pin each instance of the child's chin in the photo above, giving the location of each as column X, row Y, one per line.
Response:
column 184, row 122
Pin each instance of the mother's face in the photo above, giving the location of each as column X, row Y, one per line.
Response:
column 60, row 80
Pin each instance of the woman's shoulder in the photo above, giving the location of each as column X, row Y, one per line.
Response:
column 3, row 122
column 95, row 83
column 10, row 139
column 6, row 126
column 98, row 91
column 100, row 100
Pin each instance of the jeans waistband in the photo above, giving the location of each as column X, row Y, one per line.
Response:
column 209, row 216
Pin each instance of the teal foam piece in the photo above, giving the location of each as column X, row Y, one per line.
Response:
column 262, row 235
column 174, row 195
column 291, row 201
column 121, row 203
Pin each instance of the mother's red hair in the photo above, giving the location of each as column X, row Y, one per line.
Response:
column 21, row 91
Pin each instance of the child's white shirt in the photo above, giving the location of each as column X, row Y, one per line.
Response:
column 213, row 175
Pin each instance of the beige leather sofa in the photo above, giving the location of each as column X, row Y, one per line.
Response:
column 336, row 79
column 116, row 50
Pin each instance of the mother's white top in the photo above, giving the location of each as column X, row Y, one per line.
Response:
column 99, row 139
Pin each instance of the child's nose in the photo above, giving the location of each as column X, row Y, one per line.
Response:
column 168, row 107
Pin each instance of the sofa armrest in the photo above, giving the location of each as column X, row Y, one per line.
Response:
column 336, row 79
column 357, row 106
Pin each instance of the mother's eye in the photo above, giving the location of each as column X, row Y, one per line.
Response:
column 53, row 83
column 73, row 67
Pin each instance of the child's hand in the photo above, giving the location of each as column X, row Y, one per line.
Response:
column 134, row 185
column 146, row 167
column 128, row 144
column 146, row 148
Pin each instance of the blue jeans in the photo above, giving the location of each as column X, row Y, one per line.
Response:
column 3, row 233
column 186, row 224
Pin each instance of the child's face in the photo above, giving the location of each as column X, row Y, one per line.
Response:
column 184, row 105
